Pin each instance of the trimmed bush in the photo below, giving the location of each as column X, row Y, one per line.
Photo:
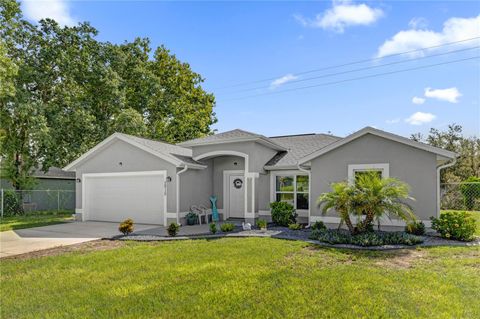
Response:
column 295, row 226
column 455, row 225
column 283, row 214
column 318, row 225
column 334, row 237
column 262, row 224
column 415, row 228
column 213, row 228
column 470, row 190
column 126, row 227
column 173, row 229
column 226, row 227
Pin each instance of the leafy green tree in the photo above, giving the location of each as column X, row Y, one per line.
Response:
column 70, row 91
column 467, row 148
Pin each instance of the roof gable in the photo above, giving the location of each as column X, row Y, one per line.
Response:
column 380, row 133
column 174, row 154
column 233, row 136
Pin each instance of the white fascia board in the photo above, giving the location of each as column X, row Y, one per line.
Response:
column 386, row 135
column 260, row 140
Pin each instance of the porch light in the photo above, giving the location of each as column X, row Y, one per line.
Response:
column 79, row 180
column 169, row 179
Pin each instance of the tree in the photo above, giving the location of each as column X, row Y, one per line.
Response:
column 70, row 91
column 370, row 197
column 375, row 197
column 467, row 148
column 339, row 199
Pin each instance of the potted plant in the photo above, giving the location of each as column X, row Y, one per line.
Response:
column 262, row 224
column 191, row 218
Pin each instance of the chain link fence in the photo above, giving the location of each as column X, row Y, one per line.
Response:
column 13, row 202
column 460, row 196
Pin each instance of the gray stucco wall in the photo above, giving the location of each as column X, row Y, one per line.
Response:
column 258, row 155
column 196, row 187
column 413, row 166
column 133, row 159
column 263, row 192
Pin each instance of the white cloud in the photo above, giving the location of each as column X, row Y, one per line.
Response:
column 57, row 10
column 418, row 23
column 394, row 121
column 418, row 100
column 450, row 95
column 419, row 118
column 454, row 29
column 284, row 79
column 341, row 15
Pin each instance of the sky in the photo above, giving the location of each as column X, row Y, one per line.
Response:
column 275, row 66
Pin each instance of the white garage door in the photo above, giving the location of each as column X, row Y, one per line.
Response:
column 117, row 196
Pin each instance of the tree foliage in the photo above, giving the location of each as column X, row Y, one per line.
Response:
column 68, row 91
column 467, row 148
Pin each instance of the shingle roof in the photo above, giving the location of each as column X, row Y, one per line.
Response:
column 298, row 146
column 54, row 172
column 235, row 135
column 160, row 146
column 182, row 153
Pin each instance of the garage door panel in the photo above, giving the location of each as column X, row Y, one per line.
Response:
column 117, row 197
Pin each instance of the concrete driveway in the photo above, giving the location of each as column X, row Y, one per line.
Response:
column 21, row 241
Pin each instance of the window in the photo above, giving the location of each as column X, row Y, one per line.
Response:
column 357, row 169
column 292, row 189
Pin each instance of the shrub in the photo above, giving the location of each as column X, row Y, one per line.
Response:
column 126, row 227
column 415, row 228
column 283, row 214
column 213, row 228
column 226, row 227
column 12, row 203
column 365, row 239
column 318, row 225
column 455, row 225
column 261, row 223
column 173, row 229
column 470, row 190
column 295, row 226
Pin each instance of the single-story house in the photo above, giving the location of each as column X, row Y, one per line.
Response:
column 154, row 182
column 52, row 190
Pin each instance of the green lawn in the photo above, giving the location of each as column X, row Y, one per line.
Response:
column 34, row 220
column 243, row 278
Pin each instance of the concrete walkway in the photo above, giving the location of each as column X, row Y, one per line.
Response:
column 21, row 241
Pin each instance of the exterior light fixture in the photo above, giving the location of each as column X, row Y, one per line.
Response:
column 169, row 179
column 79, row 180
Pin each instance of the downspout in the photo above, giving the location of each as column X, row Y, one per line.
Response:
column 309, row 189
column 178, row 192
column 439, row 168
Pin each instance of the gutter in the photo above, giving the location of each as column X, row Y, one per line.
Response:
column 309, row 189
column 439, row 168
column 178, row 192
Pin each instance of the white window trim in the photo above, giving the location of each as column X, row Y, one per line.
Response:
column 383, row 167
column 294, row 173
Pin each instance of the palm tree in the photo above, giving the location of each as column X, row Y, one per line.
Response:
column 339, row 199
column 375, row 196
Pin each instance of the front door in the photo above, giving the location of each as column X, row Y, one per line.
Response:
column 236, row 202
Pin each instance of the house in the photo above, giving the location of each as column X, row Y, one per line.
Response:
column 155, row 182
column 51, row 190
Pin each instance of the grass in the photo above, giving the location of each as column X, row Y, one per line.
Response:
column 475, row 214
column 243, row 278
column 36, row 219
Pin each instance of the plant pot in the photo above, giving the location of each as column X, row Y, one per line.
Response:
column 191, row 221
